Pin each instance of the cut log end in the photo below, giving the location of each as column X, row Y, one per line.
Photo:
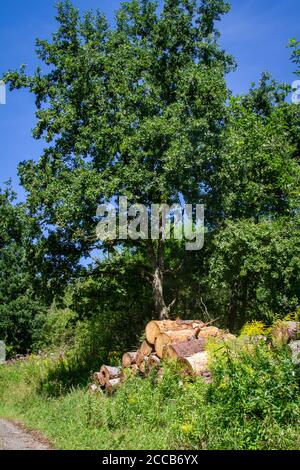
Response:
column 112, row 385
column 129, row 358
column 196, row 364
column 146, row 348
column 108, row 373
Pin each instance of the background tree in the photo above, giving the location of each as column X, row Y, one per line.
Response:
column 295, row 46
column 249, row 259
column 136, row 110
column 143, row 110
column 20, row 306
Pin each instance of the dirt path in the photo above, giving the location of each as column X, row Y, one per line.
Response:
column 13, row 437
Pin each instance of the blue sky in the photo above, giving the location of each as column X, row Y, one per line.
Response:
column 255, row 32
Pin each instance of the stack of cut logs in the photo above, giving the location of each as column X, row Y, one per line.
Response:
column 182, row 340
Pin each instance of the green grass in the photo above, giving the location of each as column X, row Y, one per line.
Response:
column 252, row 404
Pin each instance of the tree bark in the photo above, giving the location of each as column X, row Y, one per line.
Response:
column 162, row 311
column 209, row 332
column 184, row 349
column 233, row 307
column 155, row 327
column 171, row 337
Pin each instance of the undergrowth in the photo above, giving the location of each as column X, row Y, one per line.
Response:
column 253, row 403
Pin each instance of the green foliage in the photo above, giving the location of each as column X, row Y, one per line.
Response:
column 295, row 46
column 253, row 271
column 256, row 382
column 19, row 305
column 143, row 110
column 136, row 110
column 253, row 403
column 99, row 318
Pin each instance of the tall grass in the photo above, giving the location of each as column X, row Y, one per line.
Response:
column 253, row 403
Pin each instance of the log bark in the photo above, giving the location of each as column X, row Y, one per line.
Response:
column 129, row 358
column 209, row 332
column 146, row 348
column 171, row 337
column 196, row 364
column 154, row 328
column 112, row 385
column 110, row 373
column 184, row 349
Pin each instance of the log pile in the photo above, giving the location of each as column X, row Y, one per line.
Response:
column 184, row 341
column 181, row 340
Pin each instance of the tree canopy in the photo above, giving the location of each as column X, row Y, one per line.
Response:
column 143, row 110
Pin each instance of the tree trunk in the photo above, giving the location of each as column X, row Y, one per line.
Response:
column 233, row 307
column 161, row 310
column 157, row 260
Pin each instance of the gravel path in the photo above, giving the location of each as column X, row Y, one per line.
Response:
column 13, row 437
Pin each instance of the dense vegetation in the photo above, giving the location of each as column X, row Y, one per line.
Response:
column 143, row 110
column 253, row 403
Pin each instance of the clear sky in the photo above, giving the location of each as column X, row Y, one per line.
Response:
column 255, row 32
